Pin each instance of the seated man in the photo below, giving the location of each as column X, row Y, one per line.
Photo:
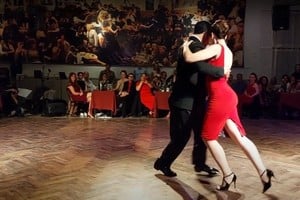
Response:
column 11, row 103
column 127, row 95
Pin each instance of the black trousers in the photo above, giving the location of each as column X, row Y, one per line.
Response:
column 182, row 122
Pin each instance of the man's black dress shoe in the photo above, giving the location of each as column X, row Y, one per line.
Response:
column 165, row 170
column 210, row 170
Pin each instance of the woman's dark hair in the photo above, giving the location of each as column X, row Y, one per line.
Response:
column 71, row 74
column 261, row 80
column 220, row 28
column 255, row 75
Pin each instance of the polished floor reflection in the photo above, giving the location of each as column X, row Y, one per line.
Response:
column 112, row 159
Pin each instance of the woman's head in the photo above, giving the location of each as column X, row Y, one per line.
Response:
column 264, row 80
column 253, row 78
column 72, row 77
column 123, row 74
column 144, row 77
column 220, row 29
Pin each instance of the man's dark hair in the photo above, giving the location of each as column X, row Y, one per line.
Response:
column 201, row 27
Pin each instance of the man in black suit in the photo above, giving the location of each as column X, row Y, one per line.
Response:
column 187, row 107
column 127, row 96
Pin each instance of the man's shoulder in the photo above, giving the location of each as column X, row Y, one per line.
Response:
column 194, row 38
column 196, row 42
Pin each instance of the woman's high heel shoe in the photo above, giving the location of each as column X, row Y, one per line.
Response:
column 267, row 184
column 225, row 185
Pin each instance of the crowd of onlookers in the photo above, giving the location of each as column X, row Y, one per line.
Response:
column 135, row 91
column 258, row 96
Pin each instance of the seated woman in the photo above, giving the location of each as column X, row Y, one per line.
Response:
column 77, row 94
column 249, row 100
column 294, row 86
column 144, row 87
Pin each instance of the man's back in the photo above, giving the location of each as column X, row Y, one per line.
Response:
column 190, row 83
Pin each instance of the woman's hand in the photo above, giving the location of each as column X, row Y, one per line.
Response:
column 227, row 72
column 186, row 50
column 185, row 46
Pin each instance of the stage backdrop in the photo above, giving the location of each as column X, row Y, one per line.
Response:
column 128, row 33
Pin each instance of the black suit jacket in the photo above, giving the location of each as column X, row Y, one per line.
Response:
column 190, row 79
column 132, row 90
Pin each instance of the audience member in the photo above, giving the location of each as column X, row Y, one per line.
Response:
column 120, row 83
column 127, row 96
column 285, row 83
column 77, row 94
column 111, row 77
column 294, row 86
column 11, row 103
column 249, row 100
column 89, row 85
column 239, row 85
column 80, row 81
column 103, row 82
column 296, row 73
column 144, row 87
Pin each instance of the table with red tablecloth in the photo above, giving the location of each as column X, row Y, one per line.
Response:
column 104, row 100
column 161, row 101
column 291, row 100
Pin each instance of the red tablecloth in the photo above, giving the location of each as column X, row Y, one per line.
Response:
column 290, row 100
column 104, row 100
column 162, row 100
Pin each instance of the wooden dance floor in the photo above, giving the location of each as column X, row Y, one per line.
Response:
column 64, row 158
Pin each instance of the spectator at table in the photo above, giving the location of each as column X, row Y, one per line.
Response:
column 80, row 81
column 296, row 73
column 249, row 100
column 144, row 87
column 294, row 86
column 89, row 85
column 103, row 82
column 77, row 94
column 111, row 77
column 127, row 96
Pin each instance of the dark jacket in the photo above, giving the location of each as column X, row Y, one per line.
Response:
column 190, row 79
column 132, row 90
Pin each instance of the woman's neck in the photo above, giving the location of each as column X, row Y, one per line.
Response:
column 221, row 41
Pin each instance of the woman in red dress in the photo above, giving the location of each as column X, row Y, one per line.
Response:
column 77, row 94
column 222, row 110
column 252, row 91
column 146, row 95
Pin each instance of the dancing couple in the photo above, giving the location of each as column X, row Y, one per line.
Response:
column 221, row 112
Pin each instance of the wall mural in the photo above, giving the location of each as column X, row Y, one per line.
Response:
column 97, row 33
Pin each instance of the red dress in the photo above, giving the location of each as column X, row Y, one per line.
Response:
column 222, row 104
column 146, row 96
column 250, row 91
column 81, row 98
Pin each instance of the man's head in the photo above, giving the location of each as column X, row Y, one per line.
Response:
column 201, row 27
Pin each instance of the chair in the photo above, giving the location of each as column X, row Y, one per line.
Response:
column 72, row 104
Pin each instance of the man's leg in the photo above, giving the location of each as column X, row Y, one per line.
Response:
column 200, row 149
column 180, row 132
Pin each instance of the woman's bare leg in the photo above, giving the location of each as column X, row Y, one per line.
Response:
column 89, row 100
column 247, row 146
column 218, row 153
